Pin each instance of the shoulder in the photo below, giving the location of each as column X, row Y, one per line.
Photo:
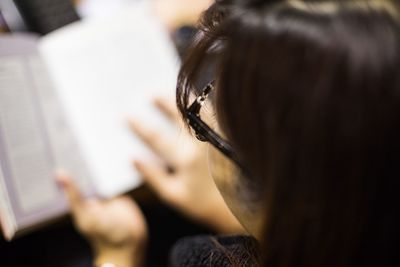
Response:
column 215, row 251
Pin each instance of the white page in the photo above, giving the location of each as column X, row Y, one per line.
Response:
column 106, row 70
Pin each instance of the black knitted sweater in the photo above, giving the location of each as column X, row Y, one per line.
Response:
column 215, row 251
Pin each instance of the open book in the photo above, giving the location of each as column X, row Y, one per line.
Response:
column 64, row 102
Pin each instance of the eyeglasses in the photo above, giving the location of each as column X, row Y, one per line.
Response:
column 203, row 132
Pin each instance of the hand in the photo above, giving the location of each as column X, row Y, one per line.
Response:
column 186, row 183
column 116, row 228
column 176, row 13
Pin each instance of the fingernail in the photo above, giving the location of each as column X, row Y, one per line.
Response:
column 157, row 101
column 61, row 182
column 61, row 177
column 137, row 164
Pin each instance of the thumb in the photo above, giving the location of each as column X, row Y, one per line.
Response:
column 71, row 191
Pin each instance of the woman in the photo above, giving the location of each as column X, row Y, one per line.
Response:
column 307, row 104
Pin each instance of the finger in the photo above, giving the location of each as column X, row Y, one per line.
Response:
column 169, row 108
column 155, row 176
column 71, row 191
column 156, row 141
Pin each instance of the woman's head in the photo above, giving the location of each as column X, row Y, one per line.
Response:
column 308, row 94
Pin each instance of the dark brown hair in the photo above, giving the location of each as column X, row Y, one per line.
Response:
column 308, row 93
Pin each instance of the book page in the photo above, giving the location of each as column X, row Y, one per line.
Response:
column 34, row 138
column 105, row 71
column 26, row 150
